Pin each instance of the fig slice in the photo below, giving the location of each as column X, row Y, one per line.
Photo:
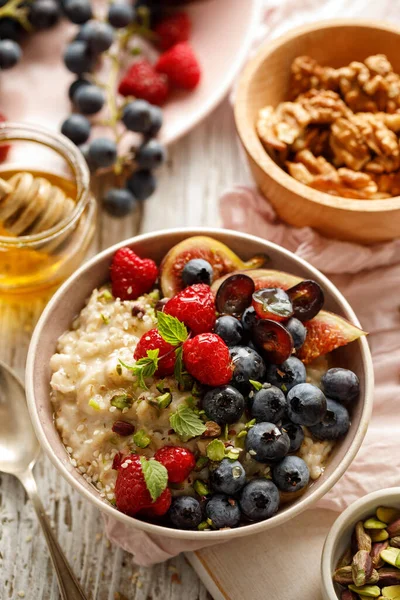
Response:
column 265, row 278
column 273, row 340
column 307, row 299
column 272, row 303
column 234, row 295
column 220, row 257
column 326, row 332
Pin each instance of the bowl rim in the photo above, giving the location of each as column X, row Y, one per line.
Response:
column 253, row 145
column 339, row 525
column 207, row 536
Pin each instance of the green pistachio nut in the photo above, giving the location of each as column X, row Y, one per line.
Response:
column 201, row 488
column 374, row 524
column 390, row 556
column 387, row 514
column 141, row 439
column 369, row 591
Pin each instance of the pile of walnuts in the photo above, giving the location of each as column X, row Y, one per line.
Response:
column 340, row 131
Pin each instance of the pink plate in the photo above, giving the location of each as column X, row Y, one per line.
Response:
column 36, row 90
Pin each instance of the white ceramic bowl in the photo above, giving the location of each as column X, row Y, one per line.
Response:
column 339, row 536
column 69, row 300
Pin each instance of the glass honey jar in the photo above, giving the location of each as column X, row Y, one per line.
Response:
column 47, row 212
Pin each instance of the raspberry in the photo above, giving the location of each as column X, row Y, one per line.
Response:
column 132, row 276
column 151, row 341
column 206, row 357
column 4, row 148
column 178, row 461
column 180, row 64
column 173, row 29
column 142, row 81
column 194, row 306
column 131, row 493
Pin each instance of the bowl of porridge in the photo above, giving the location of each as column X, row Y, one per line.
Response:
column 199, row 383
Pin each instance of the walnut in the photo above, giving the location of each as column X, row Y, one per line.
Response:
column 280, row 127
column 307, row 74
column 315, row 139
column 323, row 106
column 348, row 144
column 388, row 184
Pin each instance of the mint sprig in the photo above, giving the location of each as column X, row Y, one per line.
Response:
column 144, row 367
column 186, row 423
column 171, row 329
column 155, row 476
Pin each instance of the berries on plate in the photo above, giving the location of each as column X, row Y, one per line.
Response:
column 178, row 461
column 306, row 404
column 273, row 340
column 286, row 375
column 228, row 477
column 335, row 423
column 247, row 364
column 259, row 500
column 181, row 66
column 195, row 307
column 268, row 404
column 224, row 404
column 296, row 435
column 131, row 276
column 307, row 299
column 297, row 331
column 273, row 304
column 173, row 29
column 234, row 294
column 230, row 330
column 152, row 340
column 206, row 357
column 223, row 511
column 291, row 474
column 266, row 442
column 185, row 512
column 341, row 384
column 143, row 81
column 197, row 270
column 249, row 319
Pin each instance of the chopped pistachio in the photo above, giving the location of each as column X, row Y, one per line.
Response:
column 92, row 402
column 250, row 424
column 210, row 523
column 113, row 502
column 241, row 434
column 216, row 450
column 201, row 488
column 154, row 295
column 201, row 463
column 164, row 400
column 122, row 401
column 203, row 525
column 232, row 453
column 161, row 387
column 106, row 295
column 283, row 387
column 256, row 384
column 226, row 431
column 196, row 390
column 374, row 524
column 141, row 439
column 105, row 318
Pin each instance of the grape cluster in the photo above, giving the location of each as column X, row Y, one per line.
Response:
column 96, row 39
column 17, row 18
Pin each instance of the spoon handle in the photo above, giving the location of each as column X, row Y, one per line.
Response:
column 69, row 586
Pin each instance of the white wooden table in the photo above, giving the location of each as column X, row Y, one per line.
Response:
column 199, row 168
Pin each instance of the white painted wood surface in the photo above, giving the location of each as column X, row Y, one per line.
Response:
column 199, row 168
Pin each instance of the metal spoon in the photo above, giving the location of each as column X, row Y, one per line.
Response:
column 19, row 450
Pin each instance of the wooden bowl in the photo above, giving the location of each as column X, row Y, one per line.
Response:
column 265, row 81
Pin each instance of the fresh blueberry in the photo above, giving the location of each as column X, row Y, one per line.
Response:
column 77, row 57
column 296, row 435
column 228, row 478
column 287, row 375
column 44, row 13
column 136, row 116
column 268, row 404
column 75, row 85
column 197, row 271
column 120, row 14
column 103, row 152
column 119, row 203
column 142, row 184
column 297, row 331
column 249, row 318
column 248, row 364
column 259, row 500
column 10, row 54
column 224, row 404
column 156, row 116
column 89, row 99
column 341, row 384
column 306, row 404
column 185, row 512
column 291, row 474
column 78, row 11
column 99, row 36
column 265, row 442
column 150, row 155
column 229, row 329
column 84, row 148
column 76, row 128
column 223, row 511
column 10, row 29
column 335, row 424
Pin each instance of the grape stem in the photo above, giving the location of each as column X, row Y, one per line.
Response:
column 17, row 10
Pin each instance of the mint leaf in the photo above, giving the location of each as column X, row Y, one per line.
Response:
column 155, row 476
column 144, row 367
column 186, row 423
column 256, row 384
column 171, row 329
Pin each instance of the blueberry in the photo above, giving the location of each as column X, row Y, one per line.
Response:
column 77, row 57
column 197, row 270
column 10, row 54
column 156, row 116
column 89, row 99
column 341, row 384
column 249, row 318
column 248, row 364
column 259, row 499
column 10, row 29
column 76, row 128
column 185, row 512
column 103, row 152
column 84, row 148
column 291, row 474
column 99, row 36
column 150, row 155
column 120, row 14
column 78, row 11
column 228, row 478
column 287, row 375
column 224, row 404
column 268, row 404
column 119, row 203
column 335, row 424
column 296, row 435
column 44, row 13
column 306, row 404
column 223, row 511
column 136, row 116
column 297, row 331
column 229, row 329
column 266, row 442
column 75, row 85
column 142, row 184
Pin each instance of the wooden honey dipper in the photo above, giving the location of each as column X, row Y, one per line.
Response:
column 30, row 205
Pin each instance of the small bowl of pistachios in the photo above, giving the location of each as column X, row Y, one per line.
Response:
column 361, row 555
